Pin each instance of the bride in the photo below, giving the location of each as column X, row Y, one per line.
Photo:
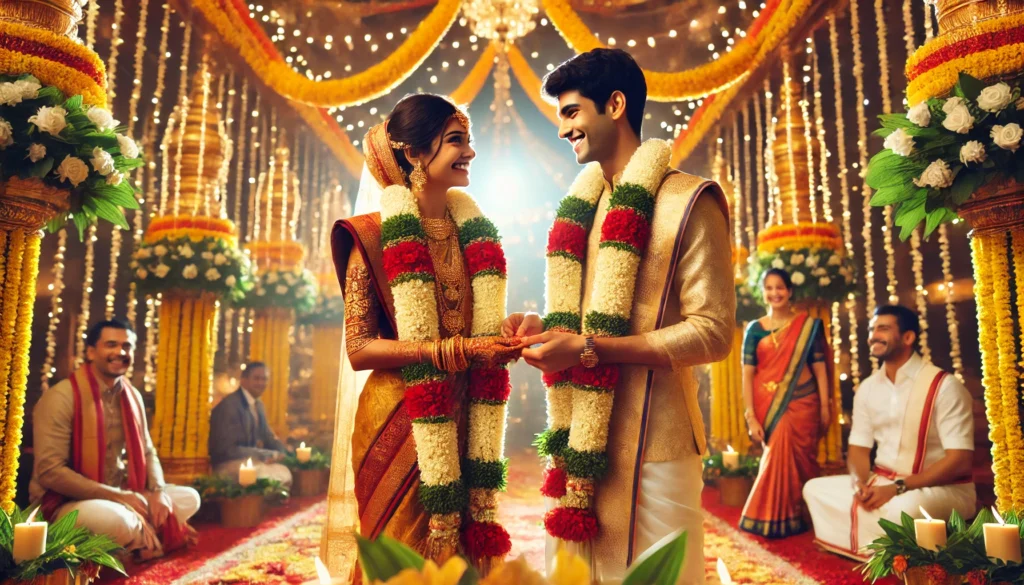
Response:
column 424, row 283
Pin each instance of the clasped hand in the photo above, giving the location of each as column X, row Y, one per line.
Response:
column 872, row 497
column 558, row 351
column 489, row 352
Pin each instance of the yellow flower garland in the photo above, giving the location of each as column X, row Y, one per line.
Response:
column 531, row 83
column 746, row 56
column 355, row 89
column 181, row 363
column 728, row 426
column 5, row 341
column 326, row 371
column 697, row 130
column 270, row 345
column 8, row 346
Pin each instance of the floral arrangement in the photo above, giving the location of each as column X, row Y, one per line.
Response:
column 389, row 562
column 329, row 310
column 714, row 468
column 817, row 273
column 318, row 460
column 576, row 440
column 747, row 307
column 55, row 59
column 942, row 150
column 68, row 547
column 294, row 288
column 210, row 264
column 964, row 554
column 68, row 145
column 444, row 480
column 218, row 487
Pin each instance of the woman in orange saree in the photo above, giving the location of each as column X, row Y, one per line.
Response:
column 424, row 287
column 786, row 373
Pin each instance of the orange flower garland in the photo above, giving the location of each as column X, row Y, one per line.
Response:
column 54, row 60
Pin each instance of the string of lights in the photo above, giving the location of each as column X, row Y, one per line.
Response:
column 83, row 315
column 92, row 11
column 823, row 151
column 762, row 198
column 812, row 188
column 947, row 287
column 748, row 189
column 56, row 290
column 115, row 50
column 133, row 118
column 787, row 92
column 181, row 108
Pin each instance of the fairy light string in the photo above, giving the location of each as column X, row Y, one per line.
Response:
column 823, row 150
column 951, row 321
column 115, row 50
column 787, row 92
column 748, row 188
column 762, row 199
column 56, row 291
column 774, row 209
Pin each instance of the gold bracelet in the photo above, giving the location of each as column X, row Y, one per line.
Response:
column 435, row 355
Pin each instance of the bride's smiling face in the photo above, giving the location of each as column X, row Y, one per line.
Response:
column 450, row 166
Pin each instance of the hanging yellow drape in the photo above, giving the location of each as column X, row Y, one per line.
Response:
column 476, row 78
column 728, row 426
column 326, row 370
column 184, row 382
column 19, row 268
column 269, row 344
column 531, row 83
column 830, row 449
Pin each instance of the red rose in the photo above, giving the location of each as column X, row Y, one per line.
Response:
column 407, row 257
column 485, row 255
column 566, row 236
column 937, row 575
column 899, row 564
column 627, row 226
column 489, row 384
column 433, row 398
column 977, row 577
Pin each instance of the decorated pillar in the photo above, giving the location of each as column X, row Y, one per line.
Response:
column 284, row 288
column 189, row 262
column 47, row 79
column 801, row 242
column 328, row 324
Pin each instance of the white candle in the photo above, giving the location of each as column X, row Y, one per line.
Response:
column 930, row 533
column 323, row 577
column 29, row 539
column 1002, row 540
column 303, row 453
column 730, row 458
column 246, row 474
column 723, row 573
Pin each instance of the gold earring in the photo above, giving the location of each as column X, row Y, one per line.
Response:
column 418, row 178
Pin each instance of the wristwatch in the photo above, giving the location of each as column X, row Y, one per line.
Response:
column 901, row 487
column 589, row 356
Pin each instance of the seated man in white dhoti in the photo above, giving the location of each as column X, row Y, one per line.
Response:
column 920, row 418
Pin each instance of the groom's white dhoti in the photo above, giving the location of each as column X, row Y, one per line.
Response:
column 913, row 422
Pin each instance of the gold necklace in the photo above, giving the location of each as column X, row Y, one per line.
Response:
column 443, row 244
column 773, row 330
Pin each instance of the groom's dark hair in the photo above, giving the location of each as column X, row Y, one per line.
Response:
column 597, row 74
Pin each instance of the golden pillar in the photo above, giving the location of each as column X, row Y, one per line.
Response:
column 327, row 337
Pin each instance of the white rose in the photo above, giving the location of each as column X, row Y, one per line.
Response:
column 819, row 271
column 114, row 179
column 824, row 281
column 102, row 117
column 190, row 271
column 128, row 147
column 212, row 274
column 1007, row 137
column 160, row 250
column 300, row 292
column 995, row 97
column 812, row 260
column 220, row 259
column 6, row 134
column 796, row 259
column 207, row 255
column 36, row 152
column 920, row 115
column 899, row 142
column 798, row 278
column 937, row 175
column 186, row 251
column 272, row 277
column 230, row 280
column 835, row 260
column 50, row 120
column 102, row 161
column 778, row 263
column 972, row 152
column 143, row 253
column 260, row 292
column 133, row 264
column 28, row 88
column 72, row 169
column 289, row 278
column 281, row 289
column 141, row 273
column 161, row 270
column 952, row 103
column 959, row 120
column 10, row 95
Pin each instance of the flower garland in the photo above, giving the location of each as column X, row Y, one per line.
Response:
column 999, row 257
column 765, row 34
column 580, row 399
column 203, row 263
column 55, row 60
column 747, row 306
column 230, row 18
column 702, row 121
column 410, row 273
column 817, row 273
column 294, row 288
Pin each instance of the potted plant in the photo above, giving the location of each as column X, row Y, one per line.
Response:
column 240, row 506
column 73, row 555
column 309, row 478
column 734, row 484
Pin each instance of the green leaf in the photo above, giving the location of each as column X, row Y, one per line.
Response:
column 470, row 577
column 377, row 564
column 110, row 212
column 977, row 527
column 970, row 86
column 892, row 195
column 41, row 168
column 956, row 522
column 81, row 223
column 661, row 564
column 936, row 218
column 121, row 197
column 908, row 215
column 965, row 185
column 403, row 556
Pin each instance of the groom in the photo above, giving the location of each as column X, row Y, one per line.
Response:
column 639, row 291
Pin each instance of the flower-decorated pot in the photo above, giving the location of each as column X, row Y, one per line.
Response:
column 309, row 482
column 30, row 203
column 919, row 576
column 57, row 16
column 241, row 512
column 997, row 206
column 58, row 577
column 734, row 490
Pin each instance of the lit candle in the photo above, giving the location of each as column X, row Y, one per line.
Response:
column 29, row 539
column 930, row 533
column 730, row 458
column 322, row 576
column 723, row 573
column 1002, row 540
column 246, row 474
column 303, row 453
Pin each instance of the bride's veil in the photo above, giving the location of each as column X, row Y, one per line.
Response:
column 338, row 545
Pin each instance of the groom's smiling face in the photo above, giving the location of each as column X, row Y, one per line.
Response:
column 590, row 132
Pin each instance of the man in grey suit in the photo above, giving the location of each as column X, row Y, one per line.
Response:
column 239, row 431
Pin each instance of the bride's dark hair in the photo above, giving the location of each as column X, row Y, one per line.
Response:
column 417, row 120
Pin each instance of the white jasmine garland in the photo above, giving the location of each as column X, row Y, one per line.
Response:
column 161, row 270
column 995, row 97
column 128, row 147
column 920, row 115
column 959, row 120
column 972, row 152
column 50, row 119
column 36, row 152
column 1007, row 137
column 6, row 134
column 899, row 142
column 72, row 169
column 190, row 271
column 798, row 278
column 102, row 161
column 102, row 117
column 937, row 175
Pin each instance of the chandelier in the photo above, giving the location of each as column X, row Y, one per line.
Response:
column 501, row 20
